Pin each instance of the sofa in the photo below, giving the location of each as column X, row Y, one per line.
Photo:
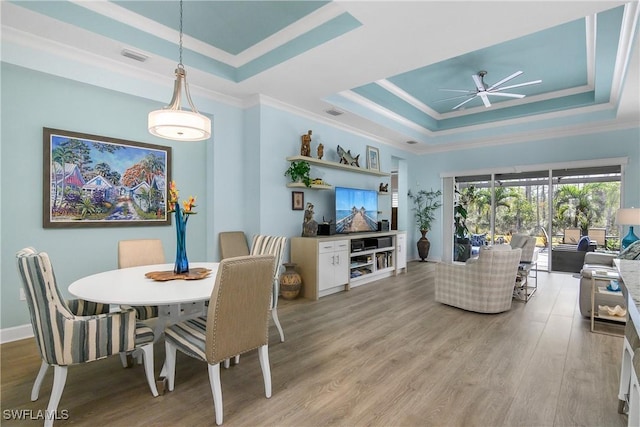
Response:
column 570, row 258
column 595, row 261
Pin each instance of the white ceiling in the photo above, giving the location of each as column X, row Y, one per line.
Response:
column 349, row 55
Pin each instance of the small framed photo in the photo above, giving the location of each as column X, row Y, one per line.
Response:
column 297, row 200
column 373, row 158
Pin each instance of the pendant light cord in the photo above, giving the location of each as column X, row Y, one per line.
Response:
column 180, row 63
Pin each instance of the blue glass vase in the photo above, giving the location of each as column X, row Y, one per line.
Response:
column 182, row 263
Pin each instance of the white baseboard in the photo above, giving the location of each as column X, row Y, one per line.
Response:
column 16, row 333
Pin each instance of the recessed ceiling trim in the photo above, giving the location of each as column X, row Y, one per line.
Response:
column 318, row 17
column 405, row 96
column 625, row 46
column 591, row 30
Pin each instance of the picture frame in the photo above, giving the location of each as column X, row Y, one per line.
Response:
column 373, row 158
column 98, row 181
column 297, row 200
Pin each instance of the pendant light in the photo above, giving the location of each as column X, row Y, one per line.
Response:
column 172, row 122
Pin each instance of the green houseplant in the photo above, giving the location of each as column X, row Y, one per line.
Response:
column 426, row 204
column 299, row 172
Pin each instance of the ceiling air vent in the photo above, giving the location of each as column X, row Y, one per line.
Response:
column 137, row 56
column 334, row 112
column 411, row 142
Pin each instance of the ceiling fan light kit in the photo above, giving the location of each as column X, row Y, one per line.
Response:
column 172, row 122
column 483, row 91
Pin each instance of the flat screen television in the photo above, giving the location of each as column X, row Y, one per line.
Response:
column 356, row 210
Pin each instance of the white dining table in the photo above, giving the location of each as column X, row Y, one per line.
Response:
column 176, row 299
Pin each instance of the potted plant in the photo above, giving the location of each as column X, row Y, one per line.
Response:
column 426, row 204
column 299, row 172
column 461, row 232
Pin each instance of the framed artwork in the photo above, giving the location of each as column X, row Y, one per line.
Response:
column 373, row 158
column 297, row 200
column 97, row 181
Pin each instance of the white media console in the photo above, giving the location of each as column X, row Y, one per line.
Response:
column 330, row 264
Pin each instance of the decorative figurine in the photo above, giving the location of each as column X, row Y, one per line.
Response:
column 320, row 151
column 384, row 188
column 347, row 158
column 305, row 148
column 309, row 225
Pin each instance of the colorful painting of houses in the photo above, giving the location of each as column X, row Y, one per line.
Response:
column 102, row 180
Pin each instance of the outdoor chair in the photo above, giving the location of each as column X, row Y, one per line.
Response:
column 571, row 236
column 237, row 322
column 66, row 337
column 598, row 235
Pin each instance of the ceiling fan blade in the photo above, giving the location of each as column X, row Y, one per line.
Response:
column 456, row 97
column 483, row 95
column 507, row 95
column 458, row 90
column 534, row 82
column 462, row 103
column 506, row 79
column 478, row 81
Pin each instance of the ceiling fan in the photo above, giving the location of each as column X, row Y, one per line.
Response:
column 483, row 91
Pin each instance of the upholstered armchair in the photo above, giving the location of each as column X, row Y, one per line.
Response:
column 234, row 243
column 527, row 244
column 65, row 338
column 237, row 322
column 484, row 284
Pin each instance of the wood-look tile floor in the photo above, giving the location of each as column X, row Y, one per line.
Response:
column 384, row 354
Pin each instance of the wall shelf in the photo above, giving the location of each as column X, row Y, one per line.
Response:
column 334, row 165
column 313, row 186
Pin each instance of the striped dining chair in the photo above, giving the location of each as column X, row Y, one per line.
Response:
column 237, row 321
column 272, row 245
column 66, row 335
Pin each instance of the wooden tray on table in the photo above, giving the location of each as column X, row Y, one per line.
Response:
column 193, row 274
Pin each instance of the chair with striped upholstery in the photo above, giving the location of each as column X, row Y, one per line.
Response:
column 133, row 253
column 234, row 243
column 484, row 284
column 65, row 337
column 237, row 321
column 272, row 245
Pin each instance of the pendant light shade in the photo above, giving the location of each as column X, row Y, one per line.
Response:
column 172, row 122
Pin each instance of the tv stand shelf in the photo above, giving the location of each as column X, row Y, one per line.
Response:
column 327, row 264
column 334, row 165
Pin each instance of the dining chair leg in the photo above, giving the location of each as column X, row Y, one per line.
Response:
column 170, row 363
column 227, row 363
column 147, row 351
column 274, row 314
column 263, row 355
column 59, row 380
column 216, row 390
column 123, row 359
column 35, row 391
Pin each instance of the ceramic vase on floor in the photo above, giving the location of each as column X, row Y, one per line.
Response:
column 423, row 246
column 290, row 282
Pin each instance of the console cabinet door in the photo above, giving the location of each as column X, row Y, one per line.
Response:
column 333, row 264
column 401, row 251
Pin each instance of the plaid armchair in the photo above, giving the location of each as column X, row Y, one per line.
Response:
column 484, row 284
column 75, row 331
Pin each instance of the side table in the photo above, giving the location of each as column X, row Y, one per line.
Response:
column 599, row 282
column 526, row 281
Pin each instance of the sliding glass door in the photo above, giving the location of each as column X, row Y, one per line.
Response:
column 558, row 206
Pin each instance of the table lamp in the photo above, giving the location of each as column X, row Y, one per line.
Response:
column 630, row 217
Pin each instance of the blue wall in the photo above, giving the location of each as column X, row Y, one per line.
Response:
column 238, row 175
column 622, row 143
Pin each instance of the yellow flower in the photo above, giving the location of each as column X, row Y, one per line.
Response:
column 189, row 204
